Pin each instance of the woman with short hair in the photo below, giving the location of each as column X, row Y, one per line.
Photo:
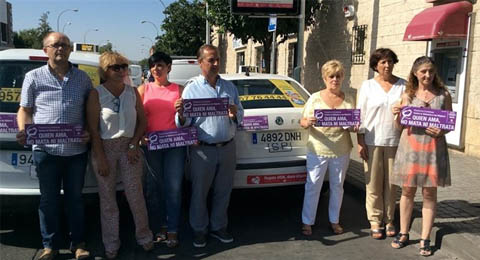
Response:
column 117, row 122
column 328, row 147
column 161, row 101
column 378, row 140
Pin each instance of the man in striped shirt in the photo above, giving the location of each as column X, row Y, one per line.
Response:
column 56, row 94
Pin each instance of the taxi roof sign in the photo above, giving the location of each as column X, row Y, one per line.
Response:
column 86, row 47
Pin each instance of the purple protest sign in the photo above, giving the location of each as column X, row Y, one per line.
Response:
column 172, row 138
column 205, row 107
column 427, row 117
column 254, row 123
column 337, row 117
column 8, row 123
column 53, row 133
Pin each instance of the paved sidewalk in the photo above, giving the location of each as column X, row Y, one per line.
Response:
column 457, row 225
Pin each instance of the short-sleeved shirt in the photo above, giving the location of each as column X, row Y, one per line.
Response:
column 328, row 141
column 213, row 129
column 57, row 102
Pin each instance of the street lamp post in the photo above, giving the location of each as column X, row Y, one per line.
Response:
column 85, row 35
column 65, row 25
column 145, row 37
column 154, row 26
column 60, row 14
column 164, row 7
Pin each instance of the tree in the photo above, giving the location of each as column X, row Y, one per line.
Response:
column 184, row 27
column 29, row 38
column 106, row 47
column 43, row 26
column 33, row 38
column 245, row 28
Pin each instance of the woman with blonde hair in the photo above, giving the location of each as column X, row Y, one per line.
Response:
column 422, row 157
column 328, row 147
column 117, row 122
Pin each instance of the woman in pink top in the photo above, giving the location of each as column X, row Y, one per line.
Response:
column 163, row 182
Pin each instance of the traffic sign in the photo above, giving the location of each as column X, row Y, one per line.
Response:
column 272, row 24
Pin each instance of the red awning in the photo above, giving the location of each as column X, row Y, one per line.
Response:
column 442, row 21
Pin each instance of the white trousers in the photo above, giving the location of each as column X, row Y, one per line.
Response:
column 316, row 168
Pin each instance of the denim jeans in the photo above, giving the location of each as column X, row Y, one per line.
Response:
column 55, row 172
column 163, row 187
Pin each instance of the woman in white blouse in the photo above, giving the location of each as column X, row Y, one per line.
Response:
column 378, row 140
column 117, row 122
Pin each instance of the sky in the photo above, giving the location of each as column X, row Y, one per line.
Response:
column 118, row 21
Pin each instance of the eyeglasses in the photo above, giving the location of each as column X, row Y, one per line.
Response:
column 116, row 104
column 118, row 67
column 58, row 45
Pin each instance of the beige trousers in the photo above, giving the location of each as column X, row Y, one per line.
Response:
column 131, row 176
column 380, row 194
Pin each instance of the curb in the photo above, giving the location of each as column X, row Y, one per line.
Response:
column 444, row 238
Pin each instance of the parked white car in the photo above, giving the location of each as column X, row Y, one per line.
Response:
column 183, row 70
column 272, row 156
column 276, row 154
column 135, row 74
column 17, row 173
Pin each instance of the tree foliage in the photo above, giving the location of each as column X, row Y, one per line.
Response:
column 32, row 38
column 184, row 28
column 246, row 28
column 106, row 47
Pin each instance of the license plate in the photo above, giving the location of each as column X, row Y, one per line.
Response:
column 22, row 159
column 279, row 141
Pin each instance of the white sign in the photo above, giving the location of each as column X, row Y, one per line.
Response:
column 272, row 24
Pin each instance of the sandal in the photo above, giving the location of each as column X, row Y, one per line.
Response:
column 172, row 240
column 376, row 233
column 336, row 228
column 397, row 243
column 426, row 250
column 390, row 230
column 161, row 236
column 306, row 230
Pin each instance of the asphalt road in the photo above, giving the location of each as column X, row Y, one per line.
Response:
column 265, row 223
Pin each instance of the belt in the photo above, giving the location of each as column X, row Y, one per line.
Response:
column 221, row 144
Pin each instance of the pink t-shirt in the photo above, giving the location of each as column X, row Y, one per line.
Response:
column 159, row 104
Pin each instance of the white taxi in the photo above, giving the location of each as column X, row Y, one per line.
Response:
column 17, row 172
column 271, row 144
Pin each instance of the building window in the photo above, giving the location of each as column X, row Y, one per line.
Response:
column 292, row 58
column 240, row 60
column 3, row 29
column 358, row 49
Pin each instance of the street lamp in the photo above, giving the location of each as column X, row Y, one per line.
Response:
column 65, row 25
column 60, row 14
column 85, row 35
column 154, row 26
column 164, row 7
column 145, row 37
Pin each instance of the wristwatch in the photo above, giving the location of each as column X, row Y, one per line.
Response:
column 131, row 146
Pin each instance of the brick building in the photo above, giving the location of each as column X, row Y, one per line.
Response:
column 378, row 24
